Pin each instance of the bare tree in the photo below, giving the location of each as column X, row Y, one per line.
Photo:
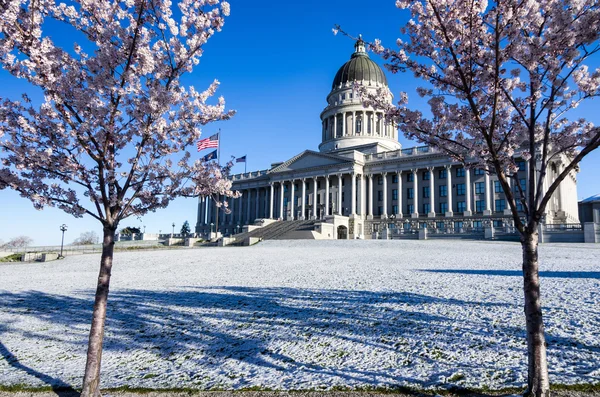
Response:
column 87, row 238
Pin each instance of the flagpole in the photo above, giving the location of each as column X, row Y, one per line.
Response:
column 245, row 162
column 218, row 195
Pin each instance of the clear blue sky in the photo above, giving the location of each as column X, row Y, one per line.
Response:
column 276, row 61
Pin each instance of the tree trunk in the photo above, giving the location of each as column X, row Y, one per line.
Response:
column 91, row 379
column 538, row 384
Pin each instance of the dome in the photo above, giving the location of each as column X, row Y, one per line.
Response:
column 360, row 67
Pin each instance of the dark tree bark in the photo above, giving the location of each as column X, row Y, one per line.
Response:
column 91, row 379
column 538, row 384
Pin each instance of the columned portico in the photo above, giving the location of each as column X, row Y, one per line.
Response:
column 256, row 205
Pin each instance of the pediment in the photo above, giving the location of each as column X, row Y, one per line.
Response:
column 309, row 159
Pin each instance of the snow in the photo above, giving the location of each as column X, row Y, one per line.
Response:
column 304, row 315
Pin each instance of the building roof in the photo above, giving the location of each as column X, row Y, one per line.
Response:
column 592, row 199
column 360, row 67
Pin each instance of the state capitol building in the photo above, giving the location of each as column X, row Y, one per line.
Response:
column 361, row 181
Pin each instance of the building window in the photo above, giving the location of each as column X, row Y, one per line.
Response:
column 380, row 180
column 479, row 171
column 425, row 191
column 443, row 208
column 426, row 208
column 358, row 124
column 394, row 178
column 318, row 184
column 460, row 189
column 410, row 177
column 523, row 183
column 343, row 197
column 521, row 165
column 519, row 206
column 410, row 208
column 458, row 225
column 479, row 205
column 497, row 187
column 426, row 176
column 440, row 225
column 394, row 194
column 394, row 209
column 500, row 205
column 461, row 206
column 380, row 195
column 460, row 171
column 477, row 224
column 442, row 173
column 479, row 187
column 410, row 192
column 497, row 223
column 380, row 210
column 443, row 190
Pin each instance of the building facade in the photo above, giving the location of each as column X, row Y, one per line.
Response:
column 362, row 172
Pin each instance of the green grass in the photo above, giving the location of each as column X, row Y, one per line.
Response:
column 582, row 388
column 12, row 258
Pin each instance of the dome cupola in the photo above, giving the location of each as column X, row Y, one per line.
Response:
column 359, row 68
column 346, row 122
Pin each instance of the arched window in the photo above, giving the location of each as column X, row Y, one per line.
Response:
column 358, row 124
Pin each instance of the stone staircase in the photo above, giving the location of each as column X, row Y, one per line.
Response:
column 275, row 231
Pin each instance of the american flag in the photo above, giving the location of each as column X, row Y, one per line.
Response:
column 241, row 159
column 207, row 143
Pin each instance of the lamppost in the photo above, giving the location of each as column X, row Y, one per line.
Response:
column 237, row 228
column 173, row 232
column 211, row 227
column 144, row 229
column 63, row 229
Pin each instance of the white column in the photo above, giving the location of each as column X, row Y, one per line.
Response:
column 326, row 195
column 281, row 187
column 468, row 211
column 363, row 123
column 449, row 189
column 248, row 202
column 363, row 196
column 224, row 218
column 303, row 199
column 335, row 125
column 385, row 213
column 232, row 209
column 353, row 195
column 315, row 194
column 431, row 193
column 292, row 202
column 340, row 208
column 399, row 214
column 239, row 210
column 416, row 193
column 488, row 194
column 343, row 123
column 370, row 212
column 354, row 122
column 271, row 202
column 201, row 211
column 256, row 206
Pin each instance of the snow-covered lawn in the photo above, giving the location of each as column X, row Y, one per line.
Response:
column 304, row 315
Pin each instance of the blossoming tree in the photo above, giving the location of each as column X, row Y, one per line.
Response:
column 109, row 138
column 501, row 77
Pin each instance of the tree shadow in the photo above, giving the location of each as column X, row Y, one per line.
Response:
column 518, row 273
column 58, row 385
column 213, row 326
